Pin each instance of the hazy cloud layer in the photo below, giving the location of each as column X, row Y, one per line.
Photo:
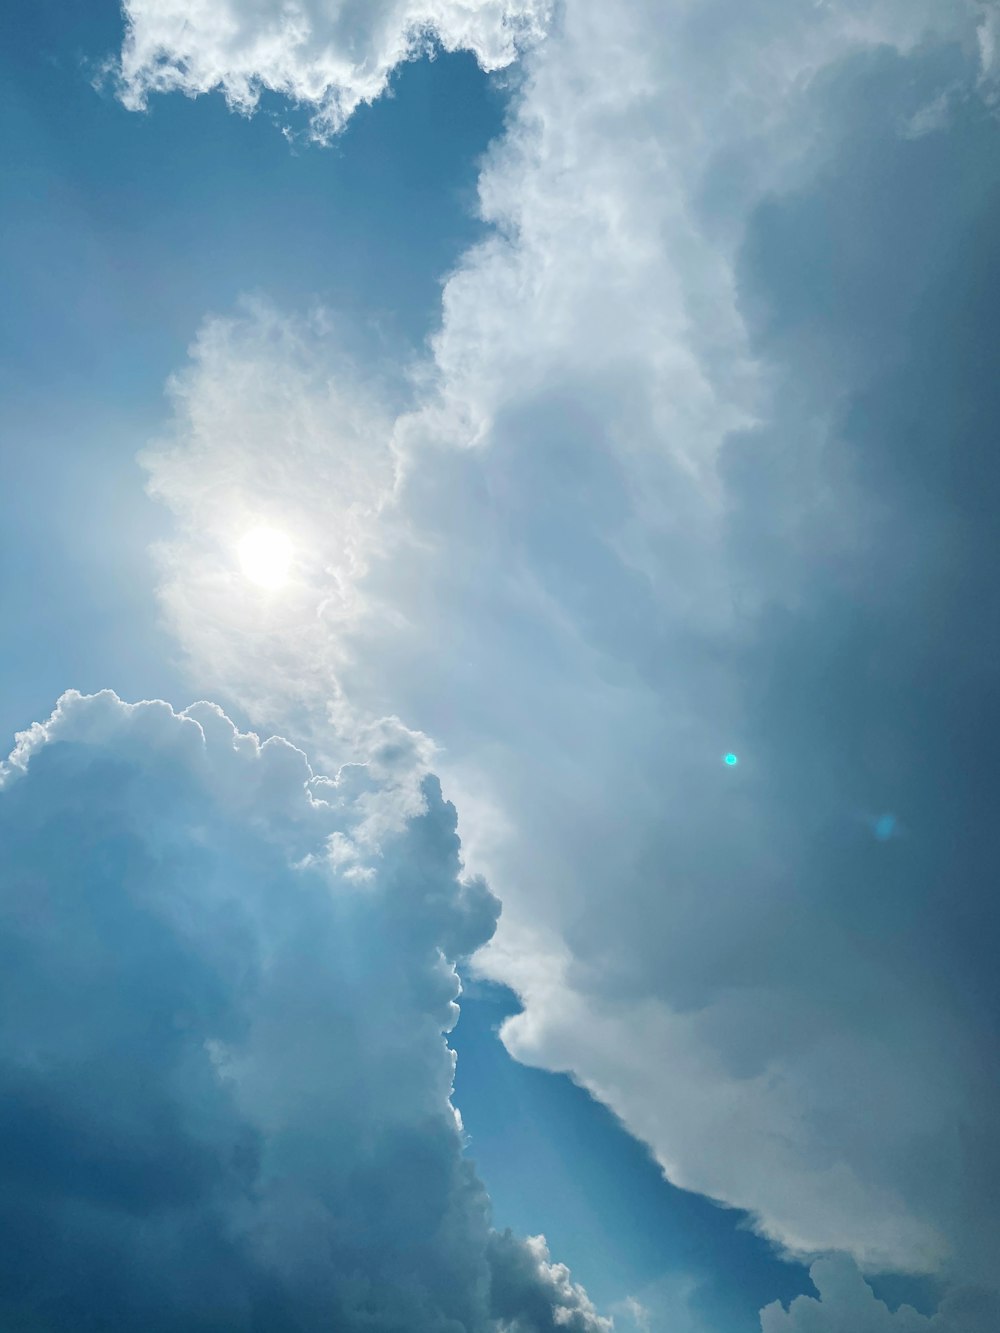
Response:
column 698, row 464
column 223, row 1075
column 330, row 55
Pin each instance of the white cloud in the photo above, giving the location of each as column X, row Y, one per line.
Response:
column 847, row 1304
column 550, row 573
column 224, row 1080
column 330, row 55
column 751, row 1135
column 272, row 428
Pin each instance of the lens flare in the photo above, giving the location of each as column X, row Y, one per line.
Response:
column 884, row 827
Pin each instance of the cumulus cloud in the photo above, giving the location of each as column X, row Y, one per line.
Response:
column 224, row 1083
column 847, row 1304
column 694, row 465
column 329, row 55
column 530, row 1292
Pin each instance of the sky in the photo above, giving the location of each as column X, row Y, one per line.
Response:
column 498, row 550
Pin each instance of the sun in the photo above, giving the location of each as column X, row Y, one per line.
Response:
column 266, row 557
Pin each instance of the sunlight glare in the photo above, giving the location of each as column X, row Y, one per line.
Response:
column 266, row 557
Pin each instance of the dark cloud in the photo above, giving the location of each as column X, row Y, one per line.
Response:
column 224, row 1088
column 813, row 933
column 870, row 684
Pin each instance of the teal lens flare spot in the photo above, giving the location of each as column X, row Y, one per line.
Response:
column 731, row 759
column 885, row 827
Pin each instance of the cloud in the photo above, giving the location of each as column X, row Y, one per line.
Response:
column 847, row 1304
column 274, row 426
column 327, row 55
column 696, row 464
column 224, row 1083
column 529, row 1292
column 716, row 989
column 671, row 1303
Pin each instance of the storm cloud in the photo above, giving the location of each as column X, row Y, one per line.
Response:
column 223, row 1072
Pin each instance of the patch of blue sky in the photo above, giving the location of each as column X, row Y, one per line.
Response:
column 123, row 229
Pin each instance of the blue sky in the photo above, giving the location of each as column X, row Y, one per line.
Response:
column 620, row 383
